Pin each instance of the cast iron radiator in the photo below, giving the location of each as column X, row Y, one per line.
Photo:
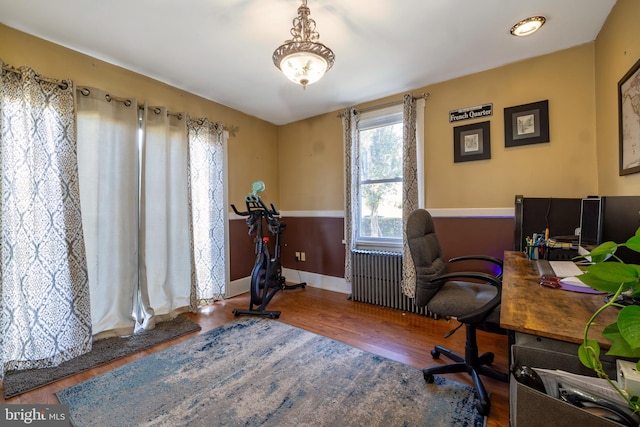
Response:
column 377, row 279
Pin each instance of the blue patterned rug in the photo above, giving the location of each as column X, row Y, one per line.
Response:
column 260, row 372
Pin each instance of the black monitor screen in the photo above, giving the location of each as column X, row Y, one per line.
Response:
column 590, row 222
column 620, row 220
column 560, row 215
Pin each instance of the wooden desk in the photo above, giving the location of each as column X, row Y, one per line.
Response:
column 547, row 327
column 532, row 309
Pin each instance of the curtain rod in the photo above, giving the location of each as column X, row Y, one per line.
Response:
column 62, row 83
column 127, row 102
column 387, row 104
column 158, row 110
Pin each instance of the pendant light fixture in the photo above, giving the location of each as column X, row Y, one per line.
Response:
column 303, row 59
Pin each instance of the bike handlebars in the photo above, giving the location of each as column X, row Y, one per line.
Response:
column 254, row 203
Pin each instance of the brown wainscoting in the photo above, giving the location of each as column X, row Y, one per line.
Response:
column 320, row 238
column 474, row 236
column 242, row 249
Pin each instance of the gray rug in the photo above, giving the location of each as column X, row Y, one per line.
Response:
column 103, row 351
column 260, row 372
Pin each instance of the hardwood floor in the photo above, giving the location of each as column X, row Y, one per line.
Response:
column 404, row 337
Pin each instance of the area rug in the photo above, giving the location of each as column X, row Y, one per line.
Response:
column 103, row 351
column 261, row 372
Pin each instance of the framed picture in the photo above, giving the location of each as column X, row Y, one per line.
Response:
column 526, row 124
column 629, row 121
column 471, row 142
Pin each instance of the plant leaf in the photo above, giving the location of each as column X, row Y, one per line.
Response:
column 629, row 325
column 617, row 272
column 619, row 346
column 634, row 242
column 589, row 355
column 603, row 252
column 597, row 283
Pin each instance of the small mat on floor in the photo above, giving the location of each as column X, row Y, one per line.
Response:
column 103, row 351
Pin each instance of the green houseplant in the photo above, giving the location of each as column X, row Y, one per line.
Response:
column 617, row 278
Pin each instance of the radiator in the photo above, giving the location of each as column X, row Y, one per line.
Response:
column 377, row 279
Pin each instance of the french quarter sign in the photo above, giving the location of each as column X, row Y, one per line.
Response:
column 483, row 110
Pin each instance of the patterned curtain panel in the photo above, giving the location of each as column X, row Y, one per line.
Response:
column 108, row 164
column 44, row 291
column 165, row 249
column 409, row 190
column 207, row 207
column 350, row 122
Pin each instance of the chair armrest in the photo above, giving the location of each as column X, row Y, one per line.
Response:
column 493, row 280
column 493, row 260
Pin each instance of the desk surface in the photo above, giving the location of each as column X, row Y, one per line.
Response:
column 553, row 313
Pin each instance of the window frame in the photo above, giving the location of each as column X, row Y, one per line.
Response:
column 370, row 120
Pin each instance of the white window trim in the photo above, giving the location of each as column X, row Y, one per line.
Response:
column 369, row 120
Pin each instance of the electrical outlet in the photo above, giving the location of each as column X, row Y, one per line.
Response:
column 297, row 256
column 302, row 256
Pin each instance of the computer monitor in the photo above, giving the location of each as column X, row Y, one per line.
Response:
column 620, row 220
column 535, row 214
column 590, row 222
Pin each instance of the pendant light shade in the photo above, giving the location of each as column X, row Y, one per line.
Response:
column 303, row 59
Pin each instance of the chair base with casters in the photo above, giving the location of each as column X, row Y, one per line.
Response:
column 472, row 363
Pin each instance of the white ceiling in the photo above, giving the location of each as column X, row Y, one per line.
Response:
column 221, row 49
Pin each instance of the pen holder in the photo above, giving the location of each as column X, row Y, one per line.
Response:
column 536, row 251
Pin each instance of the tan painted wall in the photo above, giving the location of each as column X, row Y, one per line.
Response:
column 617, row 50
column 312, row 175
column 253, row 152
column 311, row 164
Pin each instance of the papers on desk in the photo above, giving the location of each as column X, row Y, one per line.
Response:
column 576, row 285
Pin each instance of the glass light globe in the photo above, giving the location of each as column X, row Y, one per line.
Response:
column 303, row 68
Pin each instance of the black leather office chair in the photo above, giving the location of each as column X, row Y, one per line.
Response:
column 473, row 298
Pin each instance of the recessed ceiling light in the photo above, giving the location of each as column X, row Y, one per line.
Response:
column 528, row 26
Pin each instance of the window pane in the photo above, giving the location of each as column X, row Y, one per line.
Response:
column 381, row 210
column 381, row 152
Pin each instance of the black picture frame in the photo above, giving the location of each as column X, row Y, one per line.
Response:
column 526, row 124
column 472, row 142
column 628, row 125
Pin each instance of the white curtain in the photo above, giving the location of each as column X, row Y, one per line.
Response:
column 165, row 251
column 44, row 291
column 108, row 166
column 207, row 143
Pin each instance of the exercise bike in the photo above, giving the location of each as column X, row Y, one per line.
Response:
column 266, row 276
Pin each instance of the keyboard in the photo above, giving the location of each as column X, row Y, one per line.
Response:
column 565, row 268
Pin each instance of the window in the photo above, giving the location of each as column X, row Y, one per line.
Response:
column 380, row 178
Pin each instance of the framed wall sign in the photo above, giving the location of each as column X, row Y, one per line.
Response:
column 629, row 120
column 471, row 142
column 526, row 124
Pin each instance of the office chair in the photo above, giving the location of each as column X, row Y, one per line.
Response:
column 474, row 303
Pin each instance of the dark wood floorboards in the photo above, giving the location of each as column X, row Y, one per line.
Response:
column 404, row 337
